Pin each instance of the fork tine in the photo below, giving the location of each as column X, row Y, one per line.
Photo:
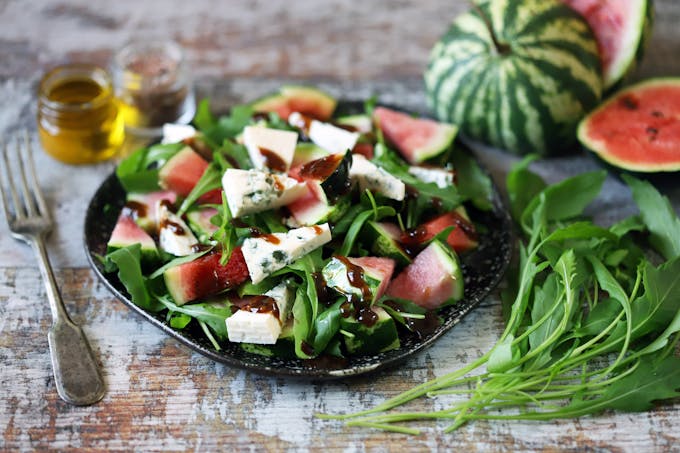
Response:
column 29, row 202
column 18, row 212
column 40, row 199
column 3, row 168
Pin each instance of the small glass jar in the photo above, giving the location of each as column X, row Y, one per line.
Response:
column 78, row 117
column 153, row 85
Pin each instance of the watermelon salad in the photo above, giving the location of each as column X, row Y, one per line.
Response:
column 297, row 231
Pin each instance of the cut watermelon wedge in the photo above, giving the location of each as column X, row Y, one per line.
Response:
column 621, row 28
column 294, row 98
column 181, row 173
column 417, row 139
column 638, row 129
column 205, row 276
column 126, row 232
column 432, row 279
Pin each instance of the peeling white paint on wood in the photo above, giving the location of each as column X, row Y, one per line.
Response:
column 161, row 395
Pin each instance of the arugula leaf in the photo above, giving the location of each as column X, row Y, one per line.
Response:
column 301, row 323
column 523, row 185
column 210, row 180
column 217, row 130
column 236, row 152
column 213, row 314
column 658, row 214
column 326, row 325
column 638, row 391
column 139, row 171
column 567, row 199
column 128, row 262
column 472, row 182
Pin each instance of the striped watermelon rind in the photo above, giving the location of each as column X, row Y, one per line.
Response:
column 627, row 159
column 528, row 99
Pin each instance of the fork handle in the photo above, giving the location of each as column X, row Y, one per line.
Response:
column 76, row 371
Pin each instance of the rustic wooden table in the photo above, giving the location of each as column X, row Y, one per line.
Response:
column 161, row 395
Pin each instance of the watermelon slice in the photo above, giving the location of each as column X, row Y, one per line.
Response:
column 638, row 129
column 377, row 267
column 433, row 278
column 205, row 276
column 293, row 98
column 621, row 28
column 313, row 207
column 462, row 239
column 181, row 173
column 365, row 278
column 126, row 232
column 417, row 139
column 199, row 220
column 142, row 207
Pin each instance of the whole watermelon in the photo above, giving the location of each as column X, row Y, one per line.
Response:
column 516, row 74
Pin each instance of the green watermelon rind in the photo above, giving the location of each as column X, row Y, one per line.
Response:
column 439, row 143
column 599, row 148
column 527, row 101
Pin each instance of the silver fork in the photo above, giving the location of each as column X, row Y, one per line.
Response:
column 76, row 372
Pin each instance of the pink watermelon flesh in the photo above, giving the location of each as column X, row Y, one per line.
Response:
column 639, row 128
column 430, row 280
column 205, row 276
column 127, row 232
column 181, row 173
column 618, row 27
column 392, row 229
column 417, row 139
column 142, row 207
column 379, row 268
column 311, row 207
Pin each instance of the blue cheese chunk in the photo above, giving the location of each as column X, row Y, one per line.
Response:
column 174, row 236
column 249, row 191
column 442, row 177
column 267, row 254
column 370, row 176
column 331, row 138
column 270, row 149
column 175, row 133
column 251, row 326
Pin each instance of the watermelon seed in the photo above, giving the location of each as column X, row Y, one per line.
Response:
column 629, row 102
column 657, row 114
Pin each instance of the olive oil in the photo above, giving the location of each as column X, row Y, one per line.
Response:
column 79, row 119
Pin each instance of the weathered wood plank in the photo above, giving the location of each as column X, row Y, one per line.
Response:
column 163, row 396
column 160, row 394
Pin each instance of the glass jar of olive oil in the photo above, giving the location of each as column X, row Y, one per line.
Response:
column 79, row 120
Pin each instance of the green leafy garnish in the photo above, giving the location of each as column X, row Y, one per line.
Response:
column 591, row 324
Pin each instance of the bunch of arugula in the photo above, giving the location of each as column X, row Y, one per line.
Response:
column 592, row 318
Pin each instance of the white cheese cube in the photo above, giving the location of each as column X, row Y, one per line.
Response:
column 271, row 149
column 332, row 138
column 370, row 176
column 251, row 326
column 283, row 296
column 175, row 133
column 441, row 177
column 248, row 327
column 267, row 254
column 249, row 191
column 174, row 236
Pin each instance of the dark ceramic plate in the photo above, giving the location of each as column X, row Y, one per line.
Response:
column 482, row 269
